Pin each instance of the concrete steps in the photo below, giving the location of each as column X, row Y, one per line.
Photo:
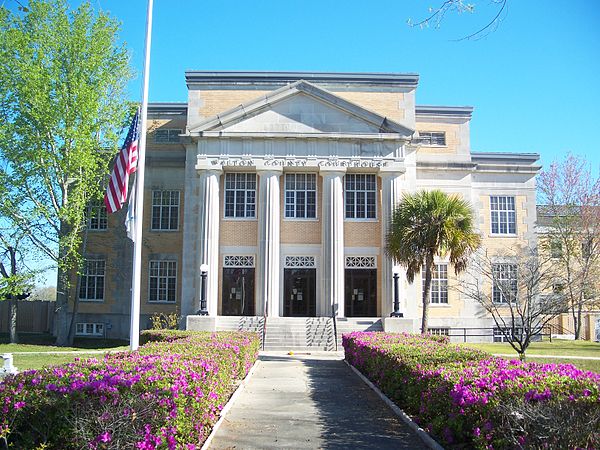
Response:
column 299, row 333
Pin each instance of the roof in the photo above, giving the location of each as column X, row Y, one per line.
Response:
column 193, row 77
column 447, row 111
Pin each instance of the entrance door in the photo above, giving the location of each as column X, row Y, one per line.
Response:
column 238, row 291
column 299, row 292
column 361, row 292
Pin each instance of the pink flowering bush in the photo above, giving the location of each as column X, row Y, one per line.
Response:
column 167, row 395
column 467, row 398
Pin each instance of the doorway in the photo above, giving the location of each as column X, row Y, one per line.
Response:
column 299, row 292
column 360, row 292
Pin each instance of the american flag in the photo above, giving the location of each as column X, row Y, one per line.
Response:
column 125, row 165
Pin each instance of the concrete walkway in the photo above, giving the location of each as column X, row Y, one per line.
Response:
column 310, row 401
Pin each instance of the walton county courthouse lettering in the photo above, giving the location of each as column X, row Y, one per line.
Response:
column 268, row 195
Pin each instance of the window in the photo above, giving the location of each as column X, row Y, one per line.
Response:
column 433, row 138
column 91, row 284
column 240, row 195
column 96, row 215
column 504, row 219
column 586, row 248
column 89, row 329
column 162, row 281
column 439, row 331
column 301, row 195
column 165, row 210
column 556, row 251
column 360, row 196
column 167, row 135
column 507, row 334
column 504, row 288
column 438, row 292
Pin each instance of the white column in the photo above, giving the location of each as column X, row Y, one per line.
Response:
column 390, row 196
column 267, row 298
column 332, row 270
column 208, row 225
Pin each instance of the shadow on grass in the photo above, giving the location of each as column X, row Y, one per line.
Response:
column 49, row 340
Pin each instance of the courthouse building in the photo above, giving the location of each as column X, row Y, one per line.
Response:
column 280, row 186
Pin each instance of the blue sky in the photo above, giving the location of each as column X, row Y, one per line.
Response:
column 534, row 81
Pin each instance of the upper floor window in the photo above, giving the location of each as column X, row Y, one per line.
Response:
column 504, row 218
column 165, row 210
column 162, row 281
column 96, row 216
column 586, row 247
column 361, row 190
column 301, row 195
column 438, row 292
column 167, row 135
column 240, row 195
column 91, row 282
column 433, row 138
column 556, row 250
column 504, row 289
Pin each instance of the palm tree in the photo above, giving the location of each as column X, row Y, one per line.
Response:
column 429, row 223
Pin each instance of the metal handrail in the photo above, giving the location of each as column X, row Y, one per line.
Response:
column 334, row 330
column 264, row 330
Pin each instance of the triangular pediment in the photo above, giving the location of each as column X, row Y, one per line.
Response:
column 301, row 108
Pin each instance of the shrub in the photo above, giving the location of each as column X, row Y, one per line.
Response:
column 166, row 395
column 466, row 397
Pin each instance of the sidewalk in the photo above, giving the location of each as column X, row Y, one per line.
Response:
column 311, row 402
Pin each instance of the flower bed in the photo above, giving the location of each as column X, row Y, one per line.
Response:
column 166, row 395
column 466, row 397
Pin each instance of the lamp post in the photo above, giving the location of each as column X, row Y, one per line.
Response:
column 203, row 273
column 396, row 312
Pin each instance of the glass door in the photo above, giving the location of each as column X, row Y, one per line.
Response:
column 361, row 292
column 299, row 293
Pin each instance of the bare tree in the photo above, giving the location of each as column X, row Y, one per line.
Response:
column 519, row 291
column 437, row 15
column 569, row 227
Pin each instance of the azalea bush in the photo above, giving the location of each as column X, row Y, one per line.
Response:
column 466, row 397
column 166, row 395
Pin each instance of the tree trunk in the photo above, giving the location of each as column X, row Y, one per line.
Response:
column 12, row 304
column 62, row 292
column 578, row 323
column 426, row 289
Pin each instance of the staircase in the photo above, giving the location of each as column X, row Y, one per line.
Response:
column 299, row 333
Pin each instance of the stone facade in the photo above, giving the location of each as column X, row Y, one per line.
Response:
column 360, row 138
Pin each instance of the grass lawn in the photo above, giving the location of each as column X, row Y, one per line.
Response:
column 554, row 348
column 41, row 347
column 39, row 360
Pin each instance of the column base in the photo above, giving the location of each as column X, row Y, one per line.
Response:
column 400, row 325
column 200, row 323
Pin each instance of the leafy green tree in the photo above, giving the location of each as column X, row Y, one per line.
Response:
column 63, row 79
column 426, row 224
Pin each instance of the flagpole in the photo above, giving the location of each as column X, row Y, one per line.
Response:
column 136, row 276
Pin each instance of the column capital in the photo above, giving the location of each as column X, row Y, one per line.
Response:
column 393, row 170
column 332, row 170
column 268, row 171
column 203, row 164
